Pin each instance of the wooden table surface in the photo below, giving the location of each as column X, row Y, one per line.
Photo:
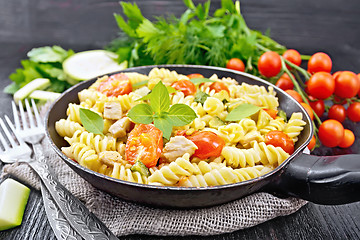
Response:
column 309, row 26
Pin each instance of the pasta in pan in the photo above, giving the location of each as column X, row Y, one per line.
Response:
column 160, row 146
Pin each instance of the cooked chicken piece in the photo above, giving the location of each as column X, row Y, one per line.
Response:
column 112, row 110
column 177, row 147
column 110, row 157
column 120, row 127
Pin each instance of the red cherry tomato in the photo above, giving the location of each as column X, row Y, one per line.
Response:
column 144, row 144
column 308, row 110
column 353, row 112
column 318, row 106
column 295, row 95
column 280, row 139
column 271, row 112
column 284, row 82
column 312, row 143
column 358, row 75
column 292, row 56
column 348, row 139
column 347, row 84
column 209, row 144
column 115, row 85
column 218, row 86
column 337, row 112
column 269, row 64
column 321, row 85
column 336, row 74
column 195, row 75
column 236, row 64
column 319, row 62
column 186, row 86
column 331, row 133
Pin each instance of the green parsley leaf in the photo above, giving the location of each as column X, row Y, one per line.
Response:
column 91, row 121
column 197, row 81
column 242, row 111
column 159, row 98
column 141, row 113
column 181, row 114
column 201, row 97
column 48, row 54
column 11, row 88
column 164, row 124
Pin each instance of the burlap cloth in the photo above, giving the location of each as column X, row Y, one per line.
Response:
column 124, row 218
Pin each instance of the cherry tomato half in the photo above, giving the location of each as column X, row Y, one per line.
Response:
column 115, row 85
column 236, row 64
column 353, row 112
column 337, row 112
column 319, row 62
column 144, row 144
column 269, row 64
column 347, row 85
column 312, row 143
column 284, row 82
column 348, row 139
column 308, row 110
column 195, row 75
column 209, row 144
column 280, row 139
column 318, row 106
column 321, row 85
column 186, row 86
column 295, row 95
column 292, row 56
column 218, row 86
column 331, row 133
column 271, row 112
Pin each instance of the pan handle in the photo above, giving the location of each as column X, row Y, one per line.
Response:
column 324, row 180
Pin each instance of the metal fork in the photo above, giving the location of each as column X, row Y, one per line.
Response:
column 75, row 212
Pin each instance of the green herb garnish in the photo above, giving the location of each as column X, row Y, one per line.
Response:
column 91, row 121
column 201, row 97
column 160, row 112
column 242, row 111
column 197, row 81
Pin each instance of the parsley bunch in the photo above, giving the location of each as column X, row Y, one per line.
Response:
column 194, row 38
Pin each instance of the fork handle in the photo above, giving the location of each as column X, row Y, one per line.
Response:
column 79, row 217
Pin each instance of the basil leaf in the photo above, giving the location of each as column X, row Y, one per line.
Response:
column 242, row 111
column 164, row 125
column 139, row 84
column 91, row 121
column 197, row 81
column 181, row 114
column 201, row 97
column 159, row 98
column 141, row 113
column 170, row 89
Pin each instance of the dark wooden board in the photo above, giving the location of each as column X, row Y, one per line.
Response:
column 309, row 26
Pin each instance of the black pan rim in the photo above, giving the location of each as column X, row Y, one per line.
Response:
column 175, row 188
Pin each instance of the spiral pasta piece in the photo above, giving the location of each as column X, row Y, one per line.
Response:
column 277, row 124
column 294, row 126
column 83, row 154
column 123, row 172
column 236, row 157
column 213, row 106
column 67, row 128
column 270, row 154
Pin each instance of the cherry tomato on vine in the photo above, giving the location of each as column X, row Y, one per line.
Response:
column 195, row 75
column 336, row 74
column 337, row 112
column 115, row 85
column 358, row 75
column 318, row 106
column 269, row 64
column 280, row 139
column 271, row 112
column 295, row 95
column 308, row 110
column 348, row 139
column 292, row 56
column 144, row 144
column 236, row 64
column 186, row 86
column 209, row 144
column 312, row 143
column 331, row 133
column 347, row 85
column 218, row 86
column 319, row 62
column 353, row 112
column 284, row 82
column 321, row 85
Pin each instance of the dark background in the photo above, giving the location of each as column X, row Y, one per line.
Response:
column 331, row 26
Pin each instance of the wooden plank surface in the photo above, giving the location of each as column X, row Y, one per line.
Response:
column 309, row 26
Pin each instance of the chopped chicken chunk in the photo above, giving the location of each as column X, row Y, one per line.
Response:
column 120, row 127
column 112, row 110
column 110, row 157
column 177, row 147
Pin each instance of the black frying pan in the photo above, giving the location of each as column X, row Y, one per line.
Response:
column 319, row 179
